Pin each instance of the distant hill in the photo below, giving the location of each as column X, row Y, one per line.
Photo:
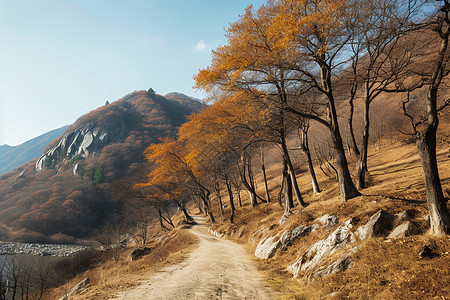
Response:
column 70, row 189
column 12, row 157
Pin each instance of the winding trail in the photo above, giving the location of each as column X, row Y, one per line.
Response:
column 216, row 269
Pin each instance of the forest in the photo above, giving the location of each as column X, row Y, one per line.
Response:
column 338, row 76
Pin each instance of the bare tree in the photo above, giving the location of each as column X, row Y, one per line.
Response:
column 380, row 59
column 425, row 125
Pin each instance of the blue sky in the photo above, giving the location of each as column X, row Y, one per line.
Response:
column 60, row 59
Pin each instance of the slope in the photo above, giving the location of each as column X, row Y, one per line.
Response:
column 69, row 191
column 12, row 157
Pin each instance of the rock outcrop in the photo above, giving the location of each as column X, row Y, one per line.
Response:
column 328, row 221
column 379, row 224
column 269, row 245
column 315, row 254
column 403, row 230
column 81, row 142
column 339, row 265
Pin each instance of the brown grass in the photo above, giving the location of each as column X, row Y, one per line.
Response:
column 115, row 276
column 382, row 269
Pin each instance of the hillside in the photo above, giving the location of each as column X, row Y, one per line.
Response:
column 12, row 157
column 68, row 191
column 380, row 267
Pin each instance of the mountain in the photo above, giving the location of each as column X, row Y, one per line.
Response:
column 70, row 190
column 12, row 157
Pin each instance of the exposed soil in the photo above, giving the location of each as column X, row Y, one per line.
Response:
column 216, row 269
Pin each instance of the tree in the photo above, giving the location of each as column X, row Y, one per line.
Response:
column 173, row 164
column 317, row 31
column 287, row 49
column 253, row 62
column 380, row 58
column 222, row 139
column 425, row 126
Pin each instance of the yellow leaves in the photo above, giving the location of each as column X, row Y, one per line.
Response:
column 305, row 22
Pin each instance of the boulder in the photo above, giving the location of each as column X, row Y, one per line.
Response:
column 269, row 245
column 139, row 252
column 406, row 215
column 314, row 255
column 406, row 229
column 328, row 221
column 339, row 265
column 379, row 225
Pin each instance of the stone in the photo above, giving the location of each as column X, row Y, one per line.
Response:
column 139, row 252
column 406, row 229
column 339, row 265
column 21, row 175
column 406, row 215
column 82, row 141
column 327, row 220
column 269, row 245
column 76, row 169
column 379, row 225
column 314, row 255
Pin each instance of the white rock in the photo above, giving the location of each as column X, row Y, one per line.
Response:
column 327, row 220
column 379, row 225
column 406, row 229
column 269, row 245
column 338, row 239
column 339, row 265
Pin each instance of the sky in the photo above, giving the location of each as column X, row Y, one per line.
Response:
column 60, row 59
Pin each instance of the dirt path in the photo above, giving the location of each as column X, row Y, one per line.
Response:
column 216, row 269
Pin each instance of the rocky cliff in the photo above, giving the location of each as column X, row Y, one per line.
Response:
column 68, row 191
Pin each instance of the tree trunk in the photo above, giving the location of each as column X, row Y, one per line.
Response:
column 296, row 189
column 353, row 143
column 361, row 168
column 289, row 203
column 263, row 167
column 426, row 136
column 238, row 191
column 219, row 198
column 252, row 197
column 280, row 194
column 187, row 217
column 426, row 145
column 206, row 200
column 437, row 206
column 181, row 206
column 305, row 148
column 347, row 190
column 292, row 175
column 248, row 184
column 230, row 197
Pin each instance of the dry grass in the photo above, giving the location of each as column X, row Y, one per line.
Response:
column 115, row 276
column 382, row 269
